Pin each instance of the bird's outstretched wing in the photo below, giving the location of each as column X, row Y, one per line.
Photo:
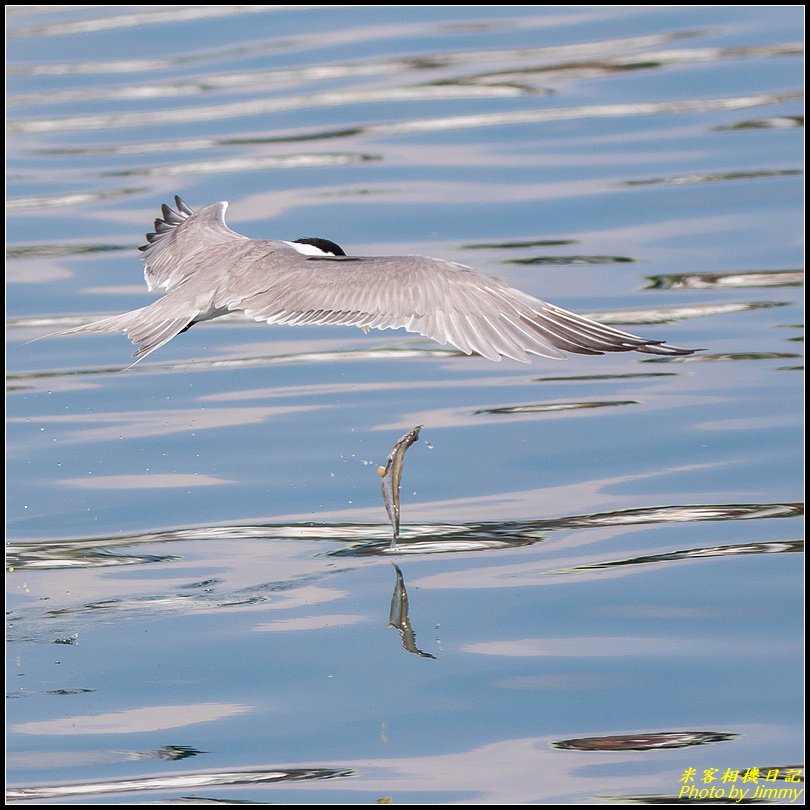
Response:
column 446, row 302
column 181, row 241
column 208, row 270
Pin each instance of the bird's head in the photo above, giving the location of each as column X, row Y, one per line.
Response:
column 314, row 246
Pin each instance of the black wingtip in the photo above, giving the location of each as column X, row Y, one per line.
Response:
column 663, row 349
column 168, row 222
column 182, row 207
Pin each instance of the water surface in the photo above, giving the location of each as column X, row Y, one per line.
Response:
column 596, row 586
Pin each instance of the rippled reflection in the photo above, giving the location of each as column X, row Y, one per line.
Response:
column 671, row 314
column 375, row 539
column 381, row 353
column 29, row 251
column 714, row 357
column 75, row 198
column 700, row 281
column 172, row 753
column 771, row 122
column 571, row 260
column 679, row 180
column 248, row 163
column 73, row 555
column 186, row 781
column 436, row 124
column 155, row 17
column 514, row 245
column 645, row 742
column 62, row 692
column 603, row 377
column 550, row 407
column 772, row 547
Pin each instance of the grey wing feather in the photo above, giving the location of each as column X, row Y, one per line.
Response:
column 446, row 302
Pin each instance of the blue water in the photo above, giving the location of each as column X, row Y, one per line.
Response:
column 201, row 598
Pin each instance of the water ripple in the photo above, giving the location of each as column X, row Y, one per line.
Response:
column 77, row 198
column 645, row 742
column 111, row 22
column 571, row 260
column 375, row 539
column 702, row 281
column 186, row 115
column 185, row 781
column 38, row 251
column 733, row 550
column 680, row 180
column 550, row 407
column 248, row 163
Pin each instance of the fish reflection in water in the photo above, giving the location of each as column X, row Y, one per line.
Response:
column 398, row 617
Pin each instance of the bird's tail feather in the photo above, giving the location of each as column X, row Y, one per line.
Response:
column 149, row 327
